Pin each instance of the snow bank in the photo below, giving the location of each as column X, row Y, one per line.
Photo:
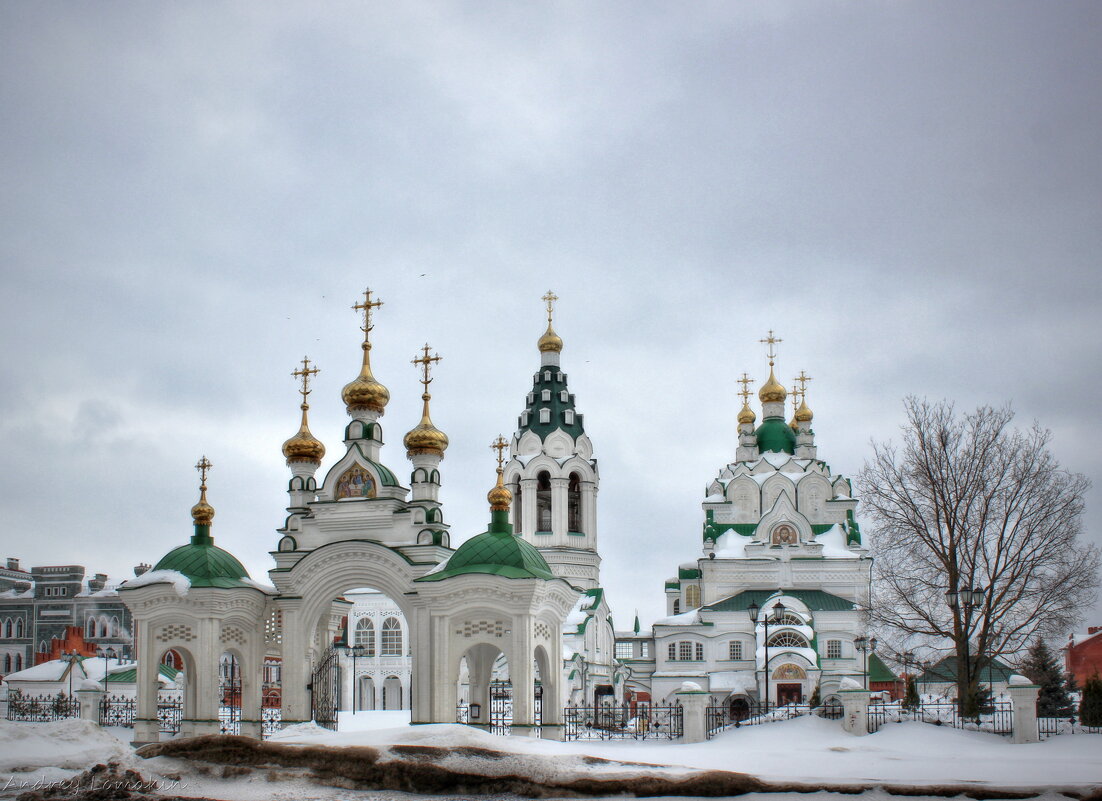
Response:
column 53, row 751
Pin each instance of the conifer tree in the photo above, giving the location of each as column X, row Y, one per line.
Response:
column 1090, row 708
column 1041, row 667
column 910, row 698
column 815, row 701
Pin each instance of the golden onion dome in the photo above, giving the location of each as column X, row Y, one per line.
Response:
column 550, row 341
column 202, row 513
column 793, row 424
column 499, row 497
column 772, row 391
column 425, row 437
column 365, row 392
column 747, row 414
column 303, row 446
column 803, row 414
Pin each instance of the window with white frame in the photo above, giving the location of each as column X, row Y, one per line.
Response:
column 392, row 637
column 564, row 396
column 545, row 415
column 545, row 395
column 568, row 417
column 365, row 635
column 834, row 649
column 734, row 649
column 685, row 651
column 673, row 651
column 644, row 650
column 787, row 639
column 699, row 652
column 623, row 650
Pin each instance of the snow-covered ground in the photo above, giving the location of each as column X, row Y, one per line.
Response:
column 805, row 750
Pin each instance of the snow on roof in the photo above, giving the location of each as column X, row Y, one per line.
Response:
column 733, row 681
column 178, row 580
column 715, row 499
column 260, row 585
column 684, row 619
column 833, row 541
column 731, row 545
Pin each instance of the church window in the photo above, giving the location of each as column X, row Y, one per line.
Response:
column 90, row 628
column 564, row 396
column 115, row 628
column 574, row 504
column 673, row 651
column 568, row 417
column 684, row 651
column 692, row 596
column 545, row 395
column 644, row 650
column 543, row 500
column 787, row 639
column 558, row 376
column 523, row 419
column 19, row 628
column 365, row 635
column 7, row 628
column 392, row 637
column 19, row 661
column 699, row 652
column 623, row 650
column 546, row 375
column 7, row 663
column 545, row 415
column 834, row 649
column 734, row 650
column 790, row 620
column 677, row 606
column 518, row 510
column 531, row 398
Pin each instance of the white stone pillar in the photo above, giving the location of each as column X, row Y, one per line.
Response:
column 1023, row 698
column 89, row 696
column 694, row 705
column 855, row 711
column 528, row 507
column 559, row 504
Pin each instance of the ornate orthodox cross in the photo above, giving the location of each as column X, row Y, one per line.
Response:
column 550, row 298
column 746, row 381
column 306, row 373
column 426, row 362
column 499, row 445
column 770, row 341
column 366, row 307
column 203, row 466
column 803, row 378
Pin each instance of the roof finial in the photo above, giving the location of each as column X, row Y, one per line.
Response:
column 550, row 341
column 499, row 497
column 803, row 413
column 202, row 513
column 770, row 341
column 772, row 391
column 746, row 414
column 425, row 437
column 303, row 446
column 365, row 392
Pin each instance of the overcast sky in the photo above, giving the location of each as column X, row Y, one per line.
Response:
column 908, row 193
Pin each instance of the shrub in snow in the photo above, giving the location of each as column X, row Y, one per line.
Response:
column 1040, row 667
column 1090, row 708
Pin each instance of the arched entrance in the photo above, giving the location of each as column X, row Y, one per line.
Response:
column 789, row 680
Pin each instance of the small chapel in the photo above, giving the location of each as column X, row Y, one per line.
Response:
column 525, row 592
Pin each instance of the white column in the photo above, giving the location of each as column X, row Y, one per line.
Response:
column 559, row 520
column 694, row 703
column 1023, row 698
column 855, row 711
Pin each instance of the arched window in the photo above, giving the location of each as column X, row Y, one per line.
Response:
column 7, row 628
column 790, row 620
column 90, row 628
column 677, row 606
column 19, row 662
column 7, row 663
column 104, row 631
column 392, row 637
column 574, row 505
column 365, row 635
column 518, row 510
column 692, row 596
column 19, row 628
column 787, row 639
column 115, row 628
column 543, row 501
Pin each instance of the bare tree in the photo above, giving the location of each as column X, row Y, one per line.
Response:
column 966, row 502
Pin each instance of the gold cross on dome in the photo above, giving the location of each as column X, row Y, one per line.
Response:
column 305, row 374
column 746, row 381
column 499, row 445
column 795, row 397
column 550, row 298
column 803, row 378
column 203, row 466
column 366, row 307
column 426, row 361
column 770, row 341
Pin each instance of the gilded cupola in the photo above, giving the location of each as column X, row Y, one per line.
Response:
column 426, row 438
column 364, row 392
column 550, row 342
column 772, row 391
column 803, row 413
column 304, row 446
column 746, row 414
column 500, row 497
column 202, row 513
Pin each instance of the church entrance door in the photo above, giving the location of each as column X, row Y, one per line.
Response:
column 789, row 694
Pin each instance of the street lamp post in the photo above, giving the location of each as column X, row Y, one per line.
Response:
column 964, row 601
column 70, row 659
column 926, row 665
column 105, row 653
column 357, row 652
column 865, row 645
column 908, row 660
column 778, row 617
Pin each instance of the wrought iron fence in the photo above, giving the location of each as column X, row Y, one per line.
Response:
column 170, row 711
column 116, row 710
column 325, row 690
column 1048, row 727
column 271, row 721
column 41, row 708
column 999, row 719
column 721, row 718
column 621, row 723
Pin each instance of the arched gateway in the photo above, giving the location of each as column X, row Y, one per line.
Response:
column 360, row 528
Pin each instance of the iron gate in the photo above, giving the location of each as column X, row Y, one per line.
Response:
column 325, row 690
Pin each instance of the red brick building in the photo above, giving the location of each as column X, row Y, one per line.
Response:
column 1083, row 656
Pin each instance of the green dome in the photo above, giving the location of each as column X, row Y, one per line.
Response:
column 204, row 564
column 496, row 552
column 774, row 434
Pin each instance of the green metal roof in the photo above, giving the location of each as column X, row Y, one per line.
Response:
column 556, row 406
column 495, row 551
column 774, row 434
column 203, row 563
column 878, row 671
column 946, row 670
column 816, row 601
column 131, row 676
column 688, row 572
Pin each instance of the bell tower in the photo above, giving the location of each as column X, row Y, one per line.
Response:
column 552, row 473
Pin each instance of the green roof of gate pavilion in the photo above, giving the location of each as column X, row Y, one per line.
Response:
column 205, row 564
column 495, row 552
